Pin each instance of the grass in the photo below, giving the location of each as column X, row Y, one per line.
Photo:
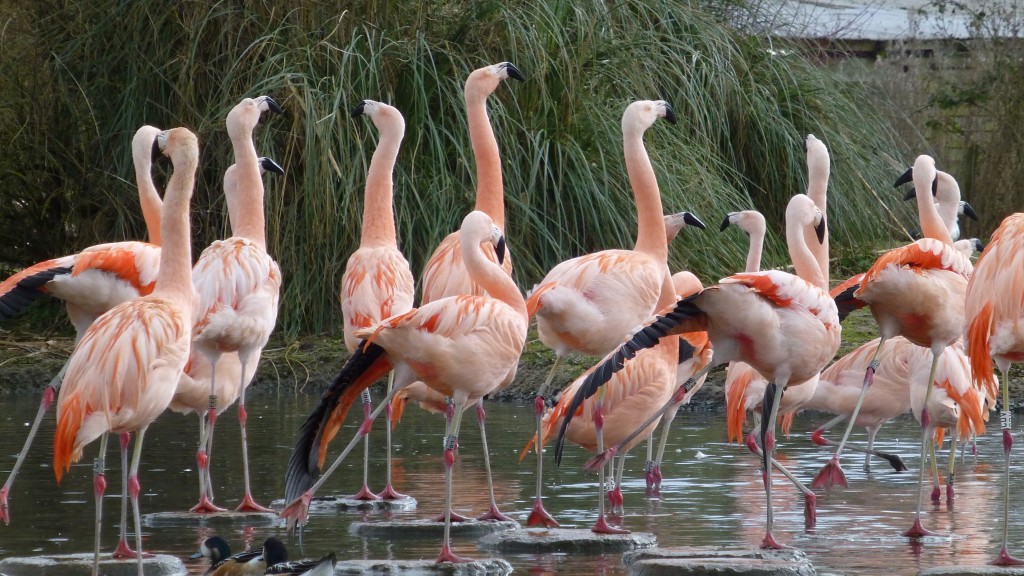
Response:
column 745, row 103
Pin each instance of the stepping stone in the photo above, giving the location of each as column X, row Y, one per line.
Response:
column 985, row 570
column 488, row 566
column 427, row 528
column 81, row 565
column 700, row 560
column 349, row 503
column 165, row 519
column 566, row 540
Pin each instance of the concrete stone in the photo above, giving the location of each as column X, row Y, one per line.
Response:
column 488, row 567
column 718, row 561
column 984, row 570
column 81, row 565
column 427, row 528
column 164, row 519
column 566, row 540
column 349, row 503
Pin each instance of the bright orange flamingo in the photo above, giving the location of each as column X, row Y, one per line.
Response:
column 193, row 393
column 590, row 303
column 995, row 331
column 439, row 343
column 90, row 283
column 786, row 326
column 913, row 291
column 377, row 283
column 238, row 285
column 125, row 368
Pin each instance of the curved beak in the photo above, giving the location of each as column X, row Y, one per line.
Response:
column 670, row 114
column 514, row 72
column 979, row 245
column 358, row 110
column 820, row 230
column 500, row 250
column 969, row 211
column 269, row 165
column 725, row 223
column 935, row 186
column 907, row 176
column 692, row 220
column 272, row 106
column 910, row 195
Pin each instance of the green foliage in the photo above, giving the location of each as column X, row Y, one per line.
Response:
column 745, row 103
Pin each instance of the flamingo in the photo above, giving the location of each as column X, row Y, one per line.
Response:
column 995, row 331
column 238, row 285
column 788, row 330
column 125, row 368
column 946, row 192
column 590, row 303
column 90, row 283
column 193, row 393
column 377, row 282
column 463, row 346
column 913, row 291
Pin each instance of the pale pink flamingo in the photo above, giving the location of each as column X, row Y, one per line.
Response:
column 238, row 285
column 90, row 283
column 193, row 393
column 377, row 282
column 948, row 204
column 462, row 346
column 125, row 368
column 913, row 291
column 995, row 331
column 589, row 304
column 785, row 326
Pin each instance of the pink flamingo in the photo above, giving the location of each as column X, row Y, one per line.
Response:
column 125, row 368
column 913, row 291
column 439, row 343
column 377, row 283
column 590, row 303
column 90, row 283
column 238, row 285
column 995, row 331
column 788, row 330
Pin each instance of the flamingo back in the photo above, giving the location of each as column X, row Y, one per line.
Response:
column 377, row 284
column 445, row 273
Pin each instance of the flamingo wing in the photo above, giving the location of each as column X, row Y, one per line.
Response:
column 238, row 287
column 24, row 287
column 445, row 273
column 377, row 284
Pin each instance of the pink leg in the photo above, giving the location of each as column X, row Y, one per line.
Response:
column 538, row 515
column 454, row 415
column 492, row 513
column 48, row 396
column 602, row 526
column 365, row 493
column 99, row 487
column 1005, row 558
column 123, row 550
column 206, row 505
column 389, row 492
column 248, row 504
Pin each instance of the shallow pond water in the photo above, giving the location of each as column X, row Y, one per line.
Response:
column 711, row 495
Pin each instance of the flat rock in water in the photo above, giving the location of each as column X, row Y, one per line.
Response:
column 417, row 528
column 718, row 561
column 81, row 565
column 487, row 566
column 161, row 519
column 566, row 540
column 985, row 570
column 350, row 503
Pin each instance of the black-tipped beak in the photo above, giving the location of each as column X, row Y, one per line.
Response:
column 157, row 153
column 907, row 176
column 979, row 245
column 692, row 220
column 359, row 109
column 935, row 186
column 820, row 230
column 910, row 195
column 725, row 223
column 272, row 105
column 269, row 165
column 500, row 251
column 969, row 212
column 514, row 72
column 670, row 114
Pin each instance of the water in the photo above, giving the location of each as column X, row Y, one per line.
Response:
column 711, row 493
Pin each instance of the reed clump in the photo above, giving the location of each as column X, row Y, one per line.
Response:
column 87, row 74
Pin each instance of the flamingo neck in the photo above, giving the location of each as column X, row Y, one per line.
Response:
column 932, row 225
column 754, row 252
column 174, row 279
column 490, row 276
column 818, row 170
column 650, row 234
column 490, row 192
column 245, row 204
column 947, row 198
column 804, row 262
column 149, row 198
column 378, row 213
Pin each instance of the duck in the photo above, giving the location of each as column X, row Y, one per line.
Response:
column 321, row 567
column 255, row 562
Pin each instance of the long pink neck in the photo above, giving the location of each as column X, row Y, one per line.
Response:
column 246, row 205
column 650, row 233
column 804, row 262
column 490, row 276
column 754, row 251
column 947, row 198
column 932, row 225
column 378, row 213
column 174, row 278
column 817, row 190
column 149, row 198
column 490, row 192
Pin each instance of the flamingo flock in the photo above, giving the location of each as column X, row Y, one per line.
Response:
column 155, row 331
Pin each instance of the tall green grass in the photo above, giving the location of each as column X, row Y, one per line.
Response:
column 91, row 73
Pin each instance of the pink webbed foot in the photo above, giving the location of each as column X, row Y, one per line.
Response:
column 657, row 477
column 615, row 498
column 830, row 475
column 770, row 543
column 365, row 494
column 595, row 463
column 389, row 493
column 1005, row 559
column 918, row 530
column 493, row 514
column 810, row 511
column 936, row 494
column 602, row 527
column 5, row 511
column 297, row 511
column 125, row 551
column 649, row 478
column 752, row 443
column 447, row 555
column 250, row 505
column 950, row 494
column 818, row 437
column 539, row 516
column 456, row 517
column 205, row 506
